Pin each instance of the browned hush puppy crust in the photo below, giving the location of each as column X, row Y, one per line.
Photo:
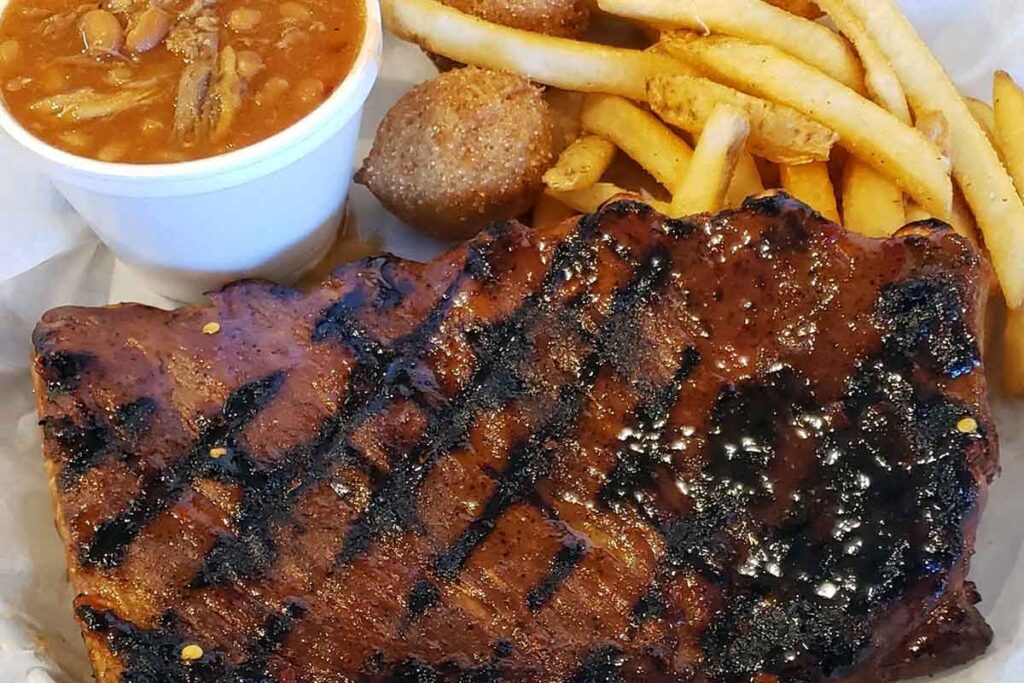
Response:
column 566, row 18
column 460, row 151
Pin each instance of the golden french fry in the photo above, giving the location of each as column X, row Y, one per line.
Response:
column 746, row 182
column 880, row 79
column 559, row 62
column 985, row 117
column 753, row 20
column 581, row 164
column 869, row 132
column 872, row 204
column 1008, row 101
column 1013, row 353
column 549, row 211
column 933, row 125
column 986, row 185
column 777, row 132
column 590, row 199
column 703, row 188
column 639, row 134
column 810, row 183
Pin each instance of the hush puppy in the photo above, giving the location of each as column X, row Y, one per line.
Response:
column 460, row 151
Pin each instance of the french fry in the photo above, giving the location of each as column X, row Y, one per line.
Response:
column 872, row 205
column 639, row 134
column 985, row 183
column 1008, row 105
column 777, row 132
column 869, row 132
column 581, row 164
column 558, row 62
column 549, row 211
column 746, row 182
column 755, row 21
column 590, row 199
column 985, row 117
column 706, row 181
column 880, row 79
column 810, row 183
column 933, row 125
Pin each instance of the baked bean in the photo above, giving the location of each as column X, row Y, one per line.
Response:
column 148, row 29
column 76, row 139
column 16, row 84
column 249, row 64
column 101, row 32
column 113, row 151
column 272, row 90
column 151, row 126
column 244, row 19
column 295, row 11
column 309, row 90
column 119, row 75
column 10, row 52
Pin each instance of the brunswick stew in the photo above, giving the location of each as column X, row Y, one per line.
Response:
column 157, row 81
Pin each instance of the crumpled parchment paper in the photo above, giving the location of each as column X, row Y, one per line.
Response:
column 49, row 258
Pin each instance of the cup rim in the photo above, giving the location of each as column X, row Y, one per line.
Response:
column 315, row 121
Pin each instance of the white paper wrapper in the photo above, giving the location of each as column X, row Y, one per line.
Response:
column 49, row 258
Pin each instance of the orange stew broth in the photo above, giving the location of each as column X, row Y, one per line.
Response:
column 121, row 105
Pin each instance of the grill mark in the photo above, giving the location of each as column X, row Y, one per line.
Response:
column 634, row 468
column 530, row 460
column 90, row 444
column 562, row 566
column 85, row 446
column 414, row 671
column 478, row 262
column 603, row 664
column 650, row 605
column 136, row 417
column 499, row 349
column 62, row 370
column 422, row 597
column 154, row 654
column 110, row 542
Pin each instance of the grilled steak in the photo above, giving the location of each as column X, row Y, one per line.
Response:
column 747, row 447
